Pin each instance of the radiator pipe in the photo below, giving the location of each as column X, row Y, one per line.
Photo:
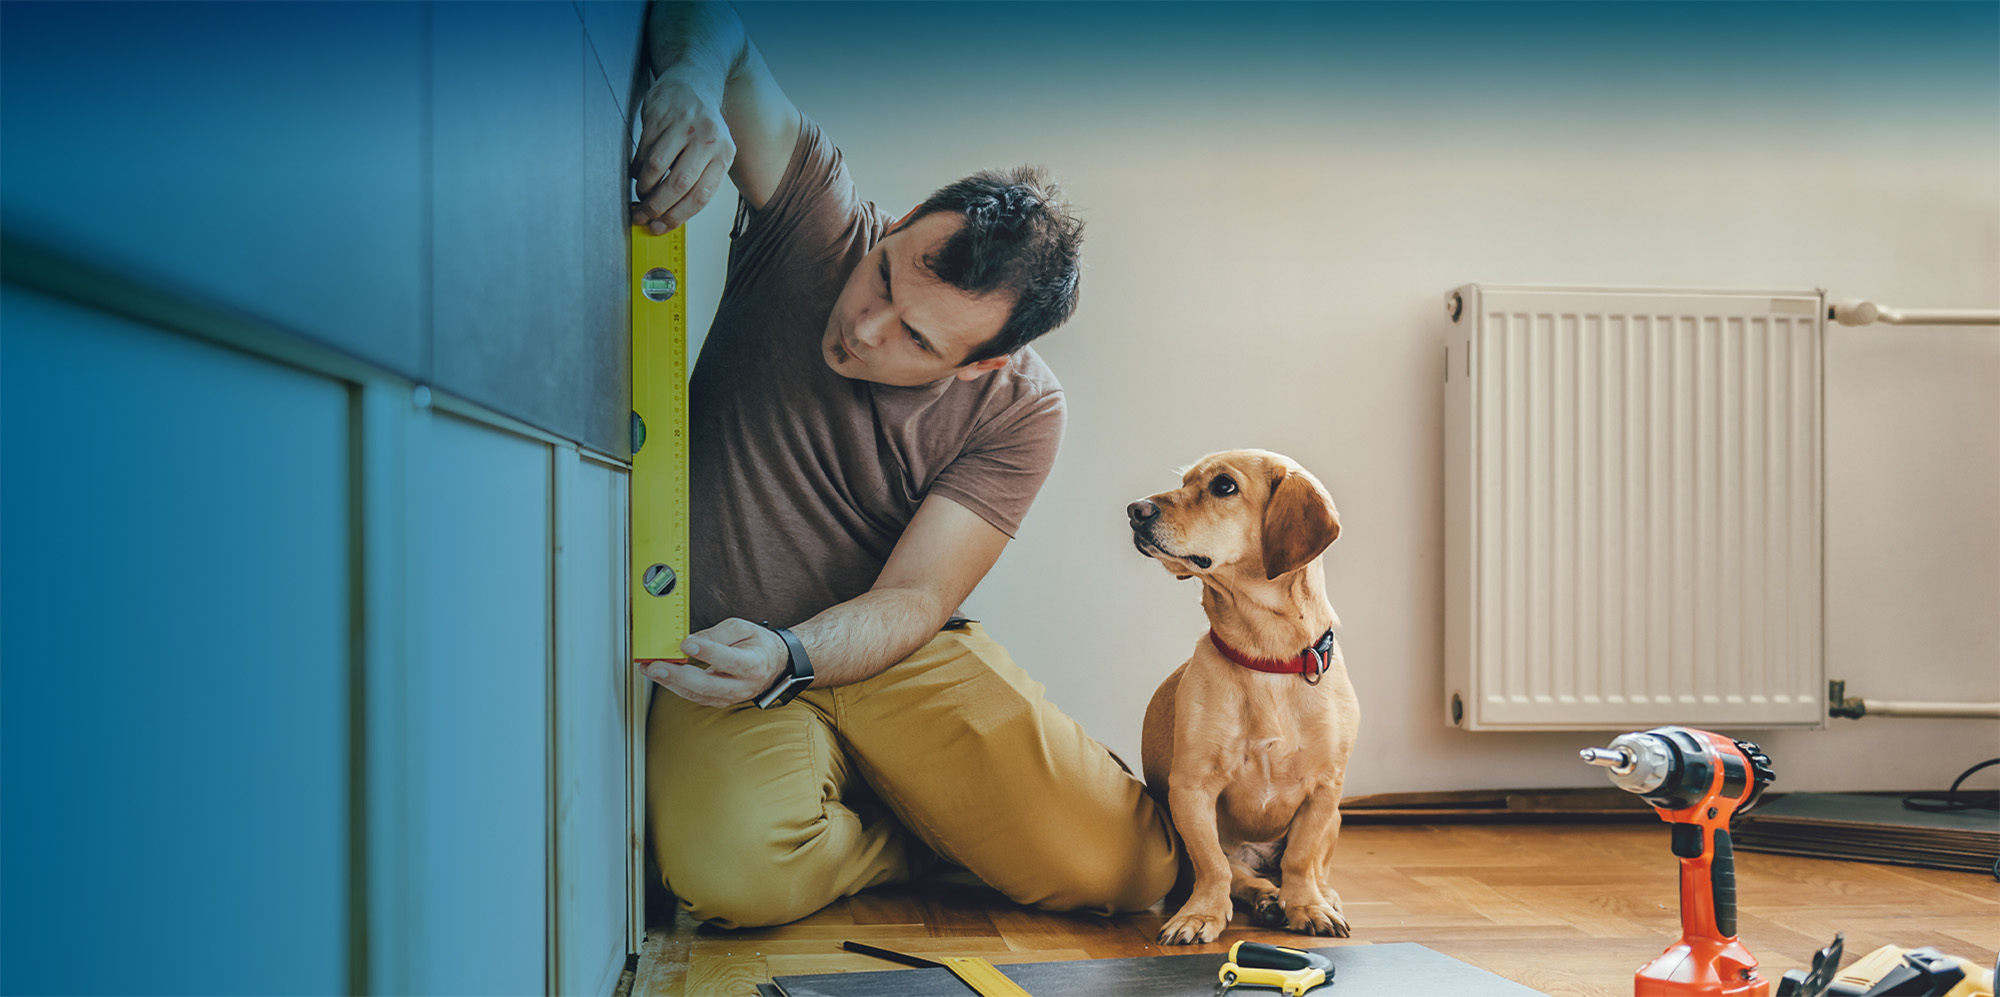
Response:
column 1840, row 704
column 1855, row 312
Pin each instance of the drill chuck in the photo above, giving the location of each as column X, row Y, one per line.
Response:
column 1638, row 762
column 1619, row 761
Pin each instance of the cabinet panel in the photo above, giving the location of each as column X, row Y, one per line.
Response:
column 593, row 685
column 615, row 28
column 175, row 657
column 511, row 292
column 269, row 156
column 477, row 707
column 604, row 401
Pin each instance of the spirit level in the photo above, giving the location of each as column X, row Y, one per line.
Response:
column 659, row 445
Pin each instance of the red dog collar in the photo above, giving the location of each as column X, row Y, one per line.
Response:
column 1310, row 662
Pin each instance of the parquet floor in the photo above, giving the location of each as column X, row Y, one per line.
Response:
column 1562, row 908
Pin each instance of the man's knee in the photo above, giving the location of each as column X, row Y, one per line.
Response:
column 1108, row 875
column 735, row 882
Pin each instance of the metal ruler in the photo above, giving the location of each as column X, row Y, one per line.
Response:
column 659, row 445
column 983, row 977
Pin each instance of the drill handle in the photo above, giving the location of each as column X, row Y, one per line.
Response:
column 1722, row 874
column 1708, row 879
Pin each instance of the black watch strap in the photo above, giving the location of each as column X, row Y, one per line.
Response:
column 796, row 677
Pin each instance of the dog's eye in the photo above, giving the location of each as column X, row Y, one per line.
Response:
column 1223, row 486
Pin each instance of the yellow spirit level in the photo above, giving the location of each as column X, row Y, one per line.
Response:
column 659, row 513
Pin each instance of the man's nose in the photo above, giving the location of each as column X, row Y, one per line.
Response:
column 870, row 330
column 1142, row 512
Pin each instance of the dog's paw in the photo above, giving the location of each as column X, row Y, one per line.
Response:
column 1192, row 928
column 1269, row 912
column 1316, row 919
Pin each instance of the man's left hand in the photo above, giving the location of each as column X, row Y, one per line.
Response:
column 743, row 660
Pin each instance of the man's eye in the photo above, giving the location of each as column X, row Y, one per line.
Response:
column 1222, row 486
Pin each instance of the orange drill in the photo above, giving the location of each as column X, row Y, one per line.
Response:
column 1697, row 781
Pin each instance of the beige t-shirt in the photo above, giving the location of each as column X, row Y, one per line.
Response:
column 803, row 480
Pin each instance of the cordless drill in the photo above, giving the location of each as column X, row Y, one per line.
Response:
column 1697, row 781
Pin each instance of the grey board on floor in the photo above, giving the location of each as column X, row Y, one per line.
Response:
column 1871, row 829
column 1405, row 969
column 1854, row 809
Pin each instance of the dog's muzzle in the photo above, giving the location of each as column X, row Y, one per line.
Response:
column 1143, row 514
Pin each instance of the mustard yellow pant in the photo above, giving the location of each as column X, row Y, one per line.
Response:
column 761, row 817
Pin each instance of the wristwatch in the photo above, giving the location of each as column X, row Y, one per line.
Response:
column 794, row 679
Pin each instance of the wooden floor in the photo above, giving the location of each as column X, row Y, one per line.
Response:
column 1562, row 908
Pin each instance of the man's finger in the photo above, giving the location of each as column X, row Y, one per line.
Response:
column 698, row 196
column 696, row 685
column 734, row 631
column 657, row 156
column 730, row 659
column 669, row 191
column 655, row 199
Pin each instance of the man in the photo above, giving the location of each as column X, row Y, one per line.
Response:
column 869, row 426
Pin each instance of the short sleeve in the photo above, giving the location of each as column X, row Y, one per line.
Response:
column 813, row 216
column 1002, row 469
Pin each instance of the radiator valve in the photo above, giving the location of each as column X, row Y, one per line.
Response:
column 1839, row 705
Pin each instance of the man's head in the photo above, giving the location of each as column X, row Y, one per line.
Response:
column 976, row 272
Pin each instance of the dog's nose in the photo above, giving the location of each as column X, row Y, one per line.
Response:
column 1141, row 512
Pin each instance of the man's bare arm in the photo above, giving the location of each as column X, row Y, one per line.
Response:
column 712, row 110
column 943, row 554
column 928, row 576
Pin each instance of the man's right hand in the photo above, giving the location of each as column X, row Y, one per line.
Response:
column 713, row 111
column 685, row 152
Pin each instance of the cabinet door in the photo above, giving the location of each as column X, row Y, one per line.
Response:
column 174, row 663
column 266, row 155
column 594, row 685
column 477, row 710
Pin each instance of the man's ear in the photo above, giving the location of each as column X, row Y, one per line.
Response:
column 980, row 368
column 1299, row 524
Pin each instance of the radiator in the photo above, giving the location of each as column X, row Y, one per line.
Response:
column 1633, row 508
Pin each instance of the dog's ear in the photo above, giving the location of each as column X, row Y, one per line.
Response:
column 1299, row 524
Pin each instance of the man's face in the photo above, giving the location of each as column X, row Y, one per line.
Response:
column 897, row 324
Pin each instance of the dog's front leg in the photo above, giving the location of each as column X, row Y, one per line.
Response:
column 1311, row 906
column 1192, row 798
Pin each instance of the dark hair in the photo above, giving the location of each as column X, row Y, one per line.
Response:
column 1018, row 237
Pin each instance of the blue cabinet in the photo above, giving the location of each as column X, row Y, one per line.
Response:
column 175, row 663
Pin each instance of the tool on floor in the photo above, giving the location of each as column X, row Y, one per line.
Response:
column 1814, row 982
column 983, row 977
column 1888, row 971
column 1697, row 781
column 1254, row 964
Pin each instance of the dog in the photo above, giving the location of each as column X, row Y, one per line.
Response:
column 1251, row 762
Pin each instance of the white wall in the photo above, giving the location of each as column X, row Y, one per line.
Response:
column 1271, row 228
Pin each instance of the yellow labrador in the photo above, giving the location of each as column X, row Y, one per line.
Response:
column 1250, row 738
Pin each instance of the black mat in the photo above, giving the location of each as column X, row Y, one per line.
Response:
column 1405, row 969
column 1870, row 829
